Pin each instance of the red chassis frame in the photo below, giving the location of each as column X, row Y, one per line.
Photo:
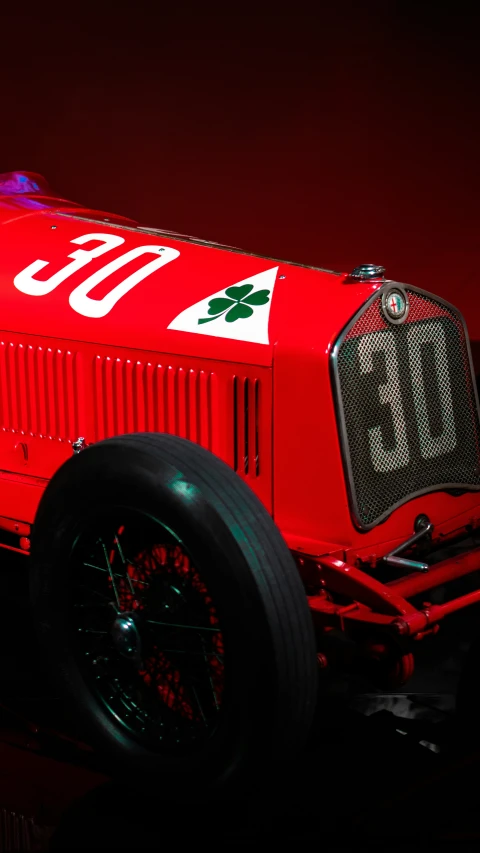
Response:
column 386, row 604
column 380, row 615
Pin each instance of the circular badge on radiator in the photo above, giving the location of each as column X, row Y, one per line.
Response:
column 395, row 304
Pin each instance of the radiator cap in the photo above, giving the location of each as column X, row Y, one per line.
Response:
column 366, row 272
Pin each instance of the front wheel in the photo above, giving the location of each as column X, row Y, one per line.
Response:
column 172, row 612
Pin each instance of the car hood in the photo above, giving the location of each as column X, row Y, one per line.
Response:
column 155, row 290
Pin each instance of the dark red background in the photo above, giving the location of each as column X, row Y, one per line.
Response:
column 348, row 133
column 331, row 136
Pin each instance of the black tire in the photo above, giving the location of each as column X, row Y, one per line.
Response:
column 269, row 667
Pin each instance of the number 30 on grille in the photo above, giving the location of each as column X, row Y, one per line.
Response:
column 432, row 333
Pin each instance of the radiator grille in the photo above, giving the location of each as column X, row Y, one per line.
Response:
column 40, row 390
column 407, row 407
column 135, row 396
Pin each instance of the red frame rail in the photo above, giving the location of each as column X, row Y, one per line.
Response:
column 388, row 604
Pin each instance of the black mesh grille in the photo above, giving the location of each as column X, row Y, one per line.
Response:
column 408, row 411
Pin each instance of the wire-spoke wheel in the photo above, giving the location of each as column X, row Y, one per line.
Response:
column 172, row 613
column 146, row 631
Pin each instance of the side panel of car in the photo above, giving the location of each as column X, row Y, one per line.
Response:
column 52, row 393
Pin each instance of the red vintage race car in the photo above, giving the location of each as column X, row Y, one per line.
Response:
column 229, row 472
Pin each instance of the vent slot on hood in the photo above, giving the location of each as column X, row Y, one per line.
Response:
column 41, row 391
column 246, row 452
column 138, row 396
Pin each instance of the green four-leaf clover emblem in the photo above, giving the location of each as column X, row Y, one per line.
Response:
column 236, row 304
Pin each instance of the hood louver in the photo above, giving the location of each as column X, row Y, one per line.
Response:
column 246, row 455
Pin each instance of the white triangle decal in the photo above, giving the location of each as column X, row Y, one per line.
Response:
column 239, row 312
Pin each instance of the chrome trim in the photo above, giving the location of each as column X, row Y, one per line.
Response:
column 367, row 272
column 403, row 563
column 342, row 430
column 183, row 238
column 394, row 560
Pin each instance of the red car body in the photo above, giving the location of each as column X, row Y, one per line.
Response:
column 108, row 327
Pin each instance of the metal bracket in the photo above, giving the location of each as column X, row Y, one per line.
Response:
column 423, row 528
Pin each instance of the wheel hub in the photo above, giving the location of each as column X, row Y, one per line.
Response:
column 126, row 637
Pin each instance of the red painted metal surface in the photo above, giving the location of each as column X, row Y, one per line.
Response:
column 108, row 327
column 387, row 605
column 76, row 359
column 438, row 575
column 343, row 579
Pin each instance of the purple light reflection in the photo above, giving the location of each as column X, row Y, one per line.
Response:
column 22, row 183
